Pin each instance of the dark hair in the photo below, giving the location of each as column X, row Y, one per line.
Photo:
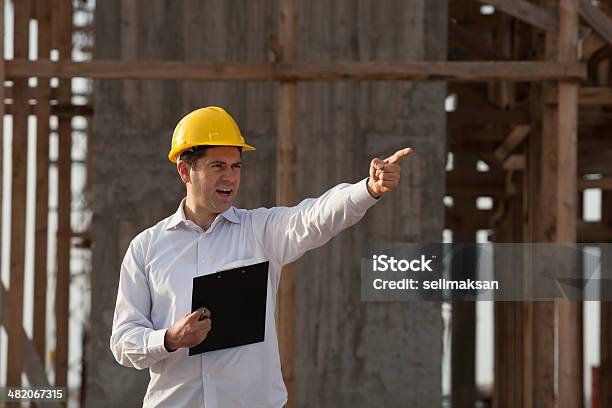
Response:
column 191, row 156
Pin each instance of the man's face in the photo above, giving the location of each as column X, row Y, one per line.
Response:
column 215, row 178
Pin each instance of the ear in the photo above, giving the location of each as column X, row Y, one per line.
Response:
column 183, row 171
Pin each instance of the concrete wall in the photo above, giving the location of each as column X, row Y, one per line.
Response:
column 348, row 352
column 351, row 353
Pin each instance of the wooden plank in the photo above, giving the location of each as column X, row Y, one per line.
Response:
column 538, row 332
column 31, row 92
column 569, row 313
column 597, row 19
column 527, row 12
column 587, row 96
column 514, row 162
column 63, row 38
column 604, row 183
column 524, row 342
column 43, row 111
column 18, row 198
column 505, row 92
column 508, row 323
column 64, row 110
column 597, row 96
column 286, row 179
column 512, row 141
column 460, row 71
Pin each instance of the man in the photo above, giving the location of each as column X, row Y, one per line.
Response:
column 153, row 326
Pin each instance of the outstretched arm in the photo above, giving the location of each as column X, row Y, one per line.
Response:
column 286, row 233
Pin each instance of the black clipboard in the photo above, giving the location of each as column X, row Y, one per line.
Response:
column 236, row 299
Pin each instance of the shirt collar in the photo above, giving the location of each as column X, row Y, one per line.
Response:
column 179, row 216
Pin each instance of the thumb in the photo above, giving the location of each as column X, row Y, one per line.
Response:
column 197, row 313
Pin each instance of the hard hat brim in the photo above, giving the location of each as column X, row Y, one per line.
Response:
column 175, row 154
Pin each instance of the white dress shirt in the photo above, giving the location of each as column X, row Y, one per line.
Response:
column 155, row 291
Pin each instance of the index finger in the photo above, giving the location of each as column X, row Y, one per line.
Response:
column 399, row 155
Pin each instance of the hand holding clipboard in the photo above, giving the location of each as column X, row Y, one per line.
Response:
column 238, row 298
column 191, row 330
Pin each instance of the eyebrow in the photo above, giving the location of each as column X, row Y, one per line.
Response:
column 222, row 162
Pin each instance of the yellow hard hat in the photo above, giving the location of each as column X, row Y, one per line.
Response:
column 210, row 126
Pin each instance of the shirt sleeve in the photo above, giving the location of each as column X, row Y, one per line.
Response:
column 286, row 233
column 134, row 342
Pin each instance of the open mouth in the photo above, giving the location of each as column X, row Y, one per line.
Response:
column 224, row 192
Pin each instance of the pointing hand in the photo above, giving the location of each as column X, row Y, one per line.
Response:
column 385, row 174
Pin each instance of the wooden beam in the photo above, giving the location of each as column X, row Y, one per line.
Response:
column 595, row 96
column 31, row 92
column 587, row 96
column 569, row 313
column 508, row 323
column 15, row 351
column 43, row 112
column 527, row 12
column 64, row 110
column 459, row 71
column 514, row 162
column 539, row 333
column 63, row 43
column 597, row 19
column 512, row 141
column 604, row 183
column 286, row 177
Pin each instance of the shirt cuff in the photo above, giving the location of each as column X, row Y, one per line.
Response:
column 361, row 196
column 155, row 344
